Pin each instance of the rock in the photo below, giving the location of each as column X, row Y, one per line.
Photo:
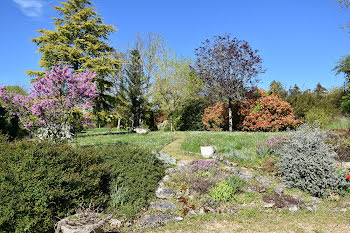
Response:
column 115, row 223
column 81, row 229
column 141, row 131
column 268, row 205
column 316, row 200
column 230, row 169
column 263, row 181
column 191, row 213
column 297, row 197
column 247, row 176
column 293, row 208
column 228, row 163
column 201, row 211
column 165, row 193
column 166, row 178
column 182, row 168
column 170, row 171
column 163, row 205
column 279, row 190
column 311, row 208
column 82, row 222
column 154, row 220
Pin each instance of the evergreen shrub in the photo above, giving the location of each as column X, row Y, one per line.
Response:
column 307, row 162
column 135, row 174
column 42, row 182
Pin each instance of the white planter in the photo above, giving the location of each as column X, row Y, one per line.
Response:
column 207, row 151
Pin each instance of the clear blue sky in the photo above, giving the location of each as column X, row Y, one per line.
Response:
column 300, row 41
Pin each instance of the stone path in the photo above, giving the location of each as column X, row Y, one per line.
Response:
column 174, row 150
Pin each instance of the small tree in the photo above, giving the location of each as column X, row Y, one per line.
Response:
column 54, row 102
column 173, row 83
column 80, row 42
column 229, row 68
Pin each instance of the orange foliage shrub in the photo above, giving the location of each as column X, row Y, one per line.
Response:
column 215, row 117
column 269, row 113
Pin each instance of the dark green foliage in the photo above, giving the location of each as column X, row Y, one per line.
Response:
column 277, row 88
column 189, row 117
column 43, row 182
column 135, row 173
column 307, row 162
column 315, row 105
column 136, row 86
column 9, row 125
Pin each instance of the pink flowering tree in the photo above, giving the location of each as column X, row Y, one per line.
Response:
column 53, row 102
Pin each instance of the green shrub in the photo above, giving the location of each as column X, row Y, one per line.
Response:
column 318, row 114
column 9, row 125
column 226, row 190
column 43, row 182
column 189, row 117
column 307, row 162
column 135, row 174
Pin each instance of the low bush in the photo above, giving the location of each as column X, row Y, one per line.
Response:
column 226, row 189
column 215, row 117
column 307, row 162
column 270, row 113
column 43, row 182
column 135, row 174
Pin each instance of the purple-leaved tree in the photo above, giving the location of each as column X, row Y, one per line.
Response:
column 229, row 68
column 53, row 102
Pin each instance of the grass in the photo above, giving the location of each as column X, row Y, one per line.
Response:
column 240, row 147
column 99, row 131
column 251, row 219
column 153, row 141
column 340, row 123
column 224, row 142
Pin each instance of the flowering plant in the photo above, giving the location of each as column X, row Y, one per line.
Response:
column 53, row 101
column 348, row 176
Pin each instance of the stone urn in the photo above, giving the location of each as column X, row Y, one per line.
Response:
column 207, row 151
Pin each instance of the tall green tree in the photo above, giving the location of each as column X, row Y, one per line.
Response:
column 79, row 41
column 136, row 87
column 277, row 88
column 174, row 84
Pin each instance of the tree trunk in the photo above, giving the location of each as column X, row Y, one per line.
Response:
column 230, row 121
column 118, row 126
column 171, row 123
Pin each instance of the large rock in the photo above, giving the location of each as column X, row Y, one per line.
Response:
column 142, row 131
column 163, row 205
column 82, row 222
column 165, row 193
column 154, row 220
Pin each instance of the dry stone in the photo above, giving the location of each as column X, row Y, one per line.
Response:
column 165, row 193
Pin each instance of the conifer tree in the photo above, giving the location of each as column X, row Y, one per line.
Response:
column 136, row 87
column 79, row 41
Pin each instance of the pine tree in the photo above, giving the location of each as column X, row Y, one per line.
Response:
column 79, row 41
column 136, row 87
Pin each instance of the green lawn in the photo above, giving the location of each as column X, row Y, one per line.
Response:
column 99, row 131
column 225, row 141
column 153, row 141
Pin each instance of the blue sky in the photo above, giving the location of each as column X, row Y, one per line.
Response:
column 300, row 41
